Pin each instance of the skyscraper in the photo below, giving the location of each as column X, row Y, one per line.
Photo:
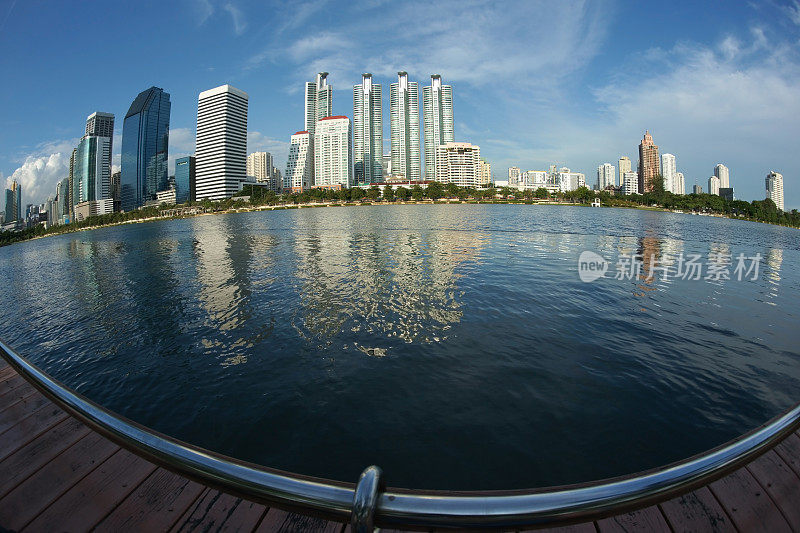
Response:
column 101, row 124
column 713, row 185
column 458, row 163
column 624, row 165
column 630, row 183
column 606, row 176
column 697, row 189
column 437, row 118
column 648, row 163
column 319, row 101
column 679, row 184
column 92, row 170
column 485, row 173
column 299, row 166
column 13, row 203
column 722, row 172
column 367, row 132
column 185, row 178
column 221, row 148
column 73, row 187
column 259, row 166
column 668, row 172
column 774, row 183
column 333, row 152
column 145, row 146
column 404, row 121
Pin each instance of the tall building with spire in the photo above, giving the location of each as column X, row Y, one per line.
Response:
column 319, row 101
column 404, row 120
column 367, row 132
column 648, row 164
column 437, row 118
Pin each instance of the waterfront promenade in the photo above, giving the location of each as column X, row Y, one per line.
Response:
column 56, row 474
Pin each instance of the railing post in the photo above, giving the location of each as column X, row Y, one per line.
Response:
column 365, row 499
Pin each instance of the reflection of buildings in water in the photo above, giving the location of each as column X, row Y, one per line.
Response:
column 774, row 261
column 222, row 252
column 650, row 252
column 395, row 284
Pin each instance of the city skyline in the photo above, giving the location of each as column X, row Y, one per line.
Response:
column 584, row 125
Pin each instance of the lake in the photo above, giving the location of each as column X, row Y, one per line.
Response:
column 455, row 346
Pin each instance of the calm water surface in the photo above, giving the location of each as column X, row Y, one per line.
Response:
column 454, row 346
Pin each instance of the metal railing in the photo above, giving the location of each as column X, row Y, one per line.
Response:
column 368, row 503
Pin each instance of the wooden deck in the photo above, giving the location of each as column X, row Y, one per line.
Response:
column 58, row 475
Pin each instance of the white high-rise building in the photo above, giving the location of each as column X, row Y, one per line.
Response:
column 221, row 148
column 668, row 171
column 333, row 162
column 404, row 121
column 569, row 181
column 486, row 173
column 722, row 172
column 606, row 176
column 680, row 184
column 713, row 185
column 299, row 166
column 774, row 183
column 367, row 132
column 624, row 165
column 319, row 101
column 437, row 118
column 514, row 175
column 259, row 166
column 630, row 182
column 458, row 163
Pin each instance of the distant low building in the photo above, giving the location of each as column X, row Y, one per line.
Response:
column 697, row 189
column 727, row 193
column 93, row 208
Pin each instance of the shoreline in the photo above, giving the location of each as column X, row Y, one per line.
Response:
column 373, row 204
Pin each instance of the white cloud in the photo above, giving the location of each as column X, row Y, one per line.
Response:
column 203, row 10
column 39, row 175
column 239, row 22
column 258, row 142
column 181, row 144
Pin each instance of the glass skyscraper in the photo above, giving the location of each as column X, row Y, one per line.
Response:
column 145, row 143
column 184, row 179
column 367, row 131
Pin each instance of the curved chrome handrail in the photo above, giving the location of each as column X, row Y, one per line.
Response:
column 399, row 507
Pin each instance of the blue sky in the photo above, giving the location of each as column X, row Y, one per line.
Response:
column 534, row 82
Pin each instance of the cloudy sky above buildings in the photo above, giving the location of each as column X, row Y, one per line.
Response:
column 534, row 82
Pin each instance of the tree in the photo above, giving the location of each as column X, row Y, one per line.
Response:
column 402, row 193
column 541, row 192
column 417, row 193
column 388, row 193
column 452, row 189
column 374, row 193
column 435, row 190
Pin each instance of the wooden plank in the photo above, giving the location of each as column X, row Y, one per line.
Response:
column 28, row 459
column 30, row 497
column 587, row 527
column 20, row 409
column 11, row 383
column 745, row 501
column 94, row 496
column 156, row 505
column 215, row 511
column 24, row 389
column 789, row 450
column 29, row 428
column 781, row 483
column 647, row 519
column 696, row 511
column 284, row 522
column 6, row 371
